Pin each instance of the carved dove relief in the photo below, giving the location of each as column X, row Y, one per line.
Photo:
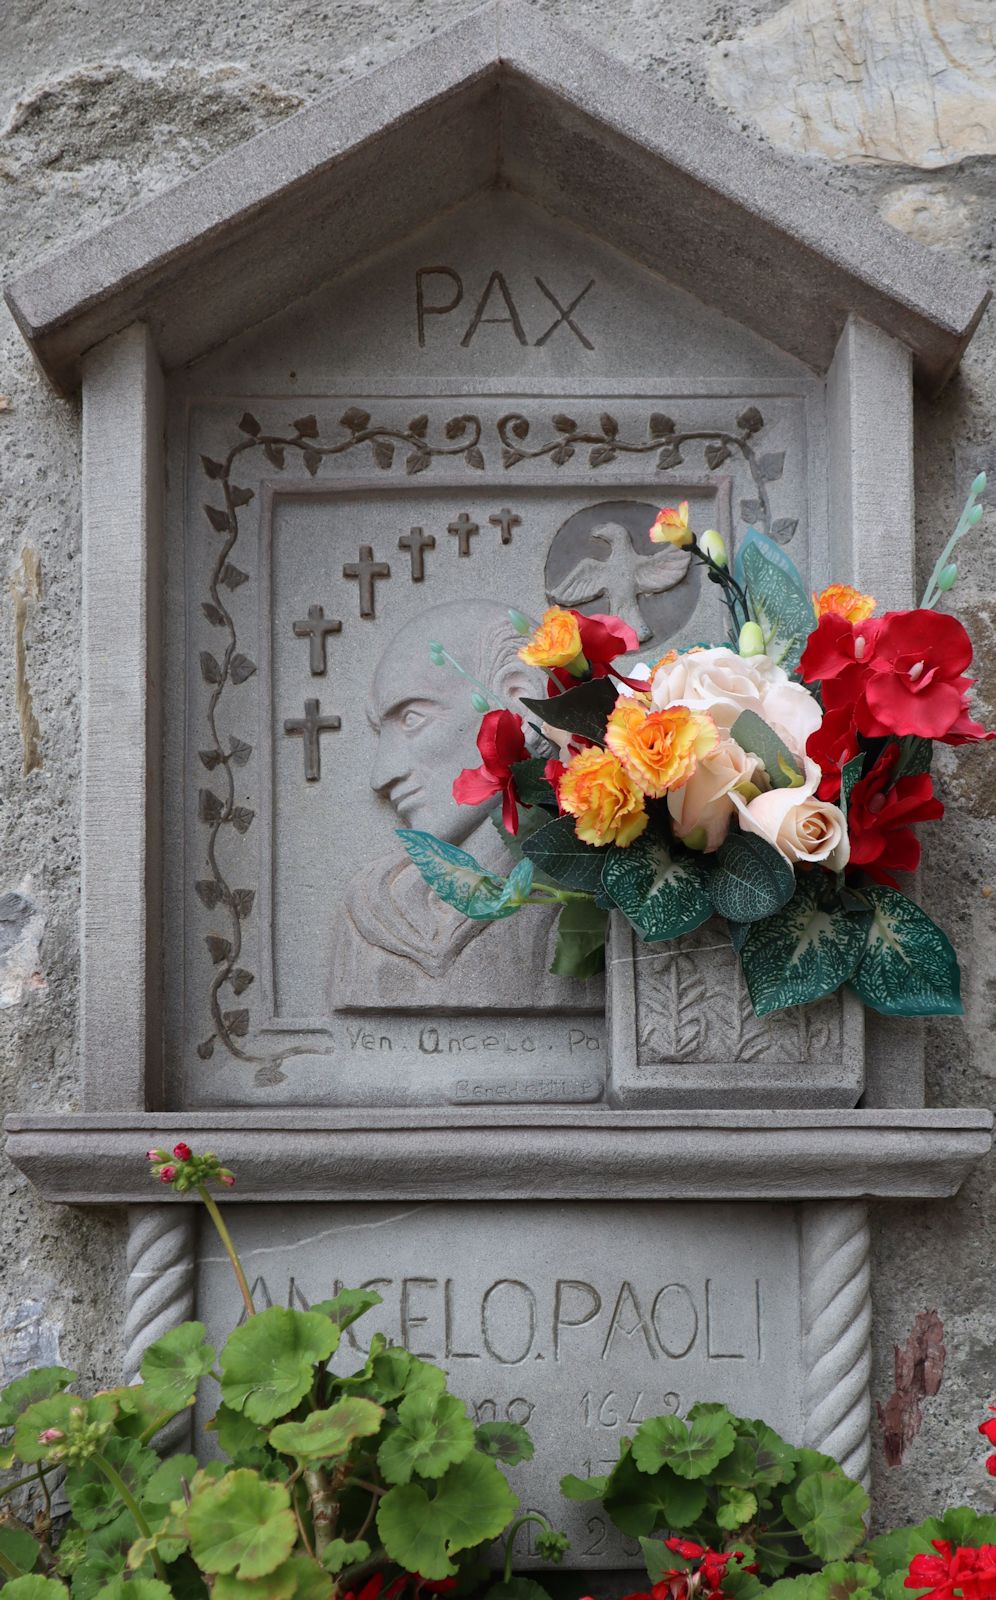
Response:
column 622, row 576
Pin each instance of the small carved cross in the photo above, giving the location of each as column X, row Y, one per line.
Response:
column 365, row 570
column 415, row 543
column 506, row 520
column 310, row 727
column 464, row 530
column 317, row 627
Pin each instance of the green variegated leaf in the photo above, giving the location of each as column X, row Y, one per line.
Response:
column 560, row 856
column 828, row 1510
column 750, row 879
column 662, row 896
column 806, row 950
column 752, row 733
column 849, row 776
column 909, row 968
column 462, row 882
column 690, row 1449
column 782, row 605
column 432, row 1432
column 328, row 1433
column 505, row 1441
column 241, row 1524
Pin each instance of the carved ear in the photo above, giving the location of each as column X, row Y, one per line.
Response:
column 515, row 681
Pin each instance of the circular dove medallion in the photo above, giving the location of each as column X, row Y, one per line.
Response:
column 601, row 559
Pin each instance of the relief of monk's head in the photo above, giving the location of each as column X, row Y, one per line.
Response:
column 423, row 716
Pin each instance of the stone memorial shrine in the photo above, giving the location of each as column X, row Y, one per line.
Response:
column 435, row 348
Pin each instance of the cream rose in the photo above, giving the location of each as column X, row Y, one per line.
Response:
column 705, row 801
column 800, row 827
column 723, row 684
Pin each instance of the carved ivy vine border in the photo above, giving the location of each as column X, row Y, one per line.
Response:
column 231, row 668
column 664, row 438
column 463, row 436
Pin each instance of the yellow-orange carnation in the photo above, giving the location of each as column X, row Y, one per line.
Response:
column 556, row 642
column 671, row 527
column 660, row 749
column 599, row 793
column 843, row 601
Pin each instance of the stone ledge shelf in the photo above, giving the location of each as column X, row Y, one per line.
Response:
column 98, row 1158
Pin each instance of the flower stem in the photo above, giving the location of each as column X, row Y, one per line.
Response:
column 214, row 1212
column 970, row 515
column 117, row 1483
column 7, row 1566
column 520, row 1522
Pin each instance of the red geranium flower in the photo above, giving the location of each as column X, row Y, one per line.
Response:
column 501, row 743
column 966, row 1573
column 879, row 818
column 988, row 1431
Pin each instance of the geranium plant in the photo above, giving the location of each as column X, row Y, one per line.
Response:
column 774, row 780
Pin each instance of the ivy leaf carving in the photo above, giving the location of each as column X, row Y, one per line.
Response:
column 214, row 469
column 519, row 428
column 274, row 453
column 242, row 900
column 419, row 426
column 750, row 420
column 219, row 520
column 242, row 819
column 237, row 1023
column 306, row 427
column 208, row 892
column 455, row 427
column 248, row 424
column 241, row 668
column 219, row 949
column 660, row 425
column 312, row 460
column 562, row 454
column 209, row 806
column 564, row 423
column 608, row 425
column 240, row 497
column 241, row 979
column 383, row 454
column 206, row 1048
column 214, row 616
column 354, row 419
column 210, row 668
column 600, row 455
column 716, row 454
column 231, row 576
column 510, row 457
column 239, row 751
column 769, row 467
column 417, row 461
column 783, row 528
column 474, row 458
column 751, row 511
column 210, row 758
column 669, row 457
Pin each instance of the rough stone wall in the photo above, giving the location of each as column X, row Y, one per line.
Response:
column 890, row 100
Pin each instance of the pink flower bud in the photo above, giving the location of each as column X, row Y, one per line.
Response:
column 227, row 1178
column 167, row 1174
column 152, row 1155
column 51, row 1436
column 182, row 1151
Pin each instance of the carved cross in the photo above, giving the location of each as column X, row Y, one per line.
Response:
column 317, row 627
column 365, row 570
column 415, row 543
column 505, row 520
column 464, row 530
column 310, row 727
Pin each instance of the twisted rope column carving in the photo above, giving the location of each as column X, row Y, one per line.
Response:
column 836, row 1333
column 160, row 1293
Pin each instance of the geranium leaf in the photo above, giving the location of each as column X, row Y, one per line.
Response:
column 691, row 1450
column 805, row 951
column 771, row 1459
column 328, row 1433
column 19, row 1547
column 432, row 1432
column 909, row 968
column 349, row 1305
column 753, row 734
column 241, row 1524
column 33, row 1587
column 472, row 1504
column 574, row 1488
column 94, row 1500
column 661, row 895
column 845, row 1580
column 557, row 853
column 242, row 1440
column 505, row 1441
column 736, row 1506
column 641, row 1502
column 173, row 1366
column 779, row 601
column 268, row 1364
column 344, row 1553
column 584, row 709
column 750, row 879
column 827, row 1508
column 40, row 1384
column 458, row 878
column 580, row 949
column 62, row 1411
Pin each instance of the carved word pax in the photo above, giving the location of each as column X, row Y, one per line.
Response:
column 496, row 304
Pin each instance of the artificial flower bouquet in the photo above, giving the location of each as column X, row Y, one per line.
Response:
column 772, row 780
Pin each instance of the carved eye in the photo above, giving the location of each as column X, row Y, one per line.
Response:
column 412, row 719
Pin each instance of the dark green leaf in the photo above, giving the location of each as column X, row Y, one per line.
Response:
column 433, row 1431
column 640, row 1502
column 850, row 774
column 560, row 856
column 94, row 1500
column 531, row 787
column 828, row 1510
column 268, row 1363
column 750, row 879
column 909, row 968
column 173, row 1366
column 915, row 756
column 349, row 1305
column 663, row 896
column 40, row 1384
column 472, row 1503
column 18, row 1546
column 505, row 1441
column 585, row 709
column 690, row 1449
column 805, row 951
column 574, row 1488
column 580, row 951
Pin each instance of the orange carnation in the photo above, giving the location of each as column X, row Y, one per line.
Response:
column 556, row 642
column 842, row 601
column 598, row 791
column 671, row 527
column 660, row 749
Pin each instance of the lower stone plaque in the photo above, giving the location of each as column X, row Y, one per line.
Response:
column 578, row 1320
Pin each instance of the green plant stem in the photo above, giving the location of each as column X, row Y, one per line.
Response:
column 725, row 577
column 214, row 1212
column 20, row 1483
column 324, row 1507
column 932, row 593
column 8, row 1568
column 117, row 1483
column 300, row 1526
column 520, row 1522
column 161, row 1421
column 48, row 1498
column 352, row 1574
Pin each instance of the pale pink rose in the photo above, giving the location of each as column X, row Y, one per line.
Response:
column 705, row 801
column 722, row 683
column 800, row 827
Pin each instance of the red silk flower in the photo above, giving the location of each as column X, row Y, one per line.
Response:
column 832, row 746
column 501, row 743
column 603, row 638
column 879, row 818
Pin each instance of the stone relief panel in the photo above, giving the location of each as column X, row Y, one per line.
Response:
column 323, row 557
